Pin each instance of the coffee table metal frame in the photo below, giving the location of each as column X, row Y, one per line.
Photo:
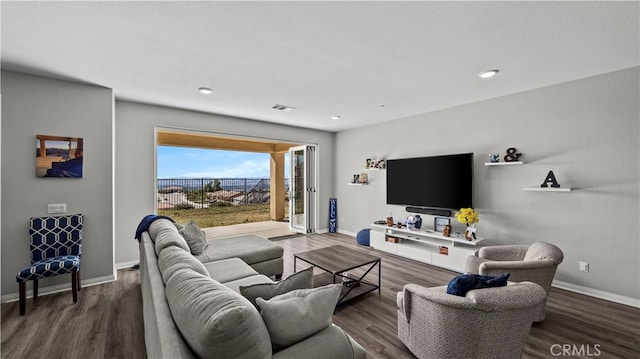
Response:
column 359, row 286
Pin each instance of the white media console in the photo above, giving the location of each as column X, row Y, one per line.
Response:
column 426, row 246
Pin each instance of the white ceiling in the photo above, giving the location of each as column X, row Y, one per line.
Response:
column 323, row 58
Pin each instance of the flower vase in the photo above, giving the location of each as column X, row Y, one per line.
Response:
column 470, row 233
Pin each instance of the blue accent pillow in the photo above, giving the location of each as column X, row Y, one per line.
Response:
column 463, row 283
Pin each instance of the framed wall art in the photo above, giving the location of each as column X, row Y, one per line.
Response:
column 59, row 156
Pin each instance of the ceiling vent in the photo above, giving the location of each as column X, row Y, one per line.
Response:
column 283, row 108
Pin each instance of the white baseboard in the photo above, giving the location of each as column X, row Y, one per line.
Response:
column 348, row 233
column 326, row 230
column 12, row 297
column 127, row 264
column 633, row 302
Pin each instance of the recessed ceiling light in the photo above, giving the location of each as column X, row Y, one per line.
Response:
column 336, row 117
column 205, row 90
column 489, row 73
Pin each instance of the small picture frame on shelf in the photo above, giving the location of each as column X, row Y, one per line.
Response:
column 363, row 179
column 374, row 164
column 440, row 222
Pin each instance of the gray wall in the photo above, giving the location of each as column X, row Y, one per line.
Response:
column 586, row 131
column 35, row 105
column 135, row 160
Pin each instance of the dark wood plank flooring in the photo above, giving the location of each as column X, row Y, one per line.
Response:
column 107, row 320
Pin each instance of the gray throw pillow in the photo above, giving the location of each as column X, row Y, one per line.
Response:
column 299, row 280
column 195, row 238
column 296, row 315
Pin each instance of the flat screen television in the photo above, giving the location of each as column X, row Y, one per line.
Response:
column 433, row 182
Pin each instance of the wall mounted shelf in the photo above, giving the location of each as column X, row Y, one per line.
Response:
column 503, row 163
column 356, row 184
column 547, row 189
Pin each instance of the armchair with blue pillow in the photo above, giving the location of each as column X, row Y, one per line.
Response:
column 492, row 319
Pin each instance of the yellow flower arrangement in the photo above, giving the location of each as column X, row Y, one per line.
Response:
column 467, row 216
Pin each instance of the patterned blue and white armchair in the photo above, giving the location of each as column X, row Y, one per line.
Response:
column 55, row 249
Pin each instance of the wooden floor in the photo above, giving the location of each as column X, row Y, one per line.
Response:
column 107, row 320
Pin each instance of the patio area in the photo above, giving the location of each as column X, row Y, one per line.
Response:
column 268, row 230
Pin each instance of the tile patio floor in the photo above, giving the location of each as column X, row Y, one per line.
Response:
column 269, row 229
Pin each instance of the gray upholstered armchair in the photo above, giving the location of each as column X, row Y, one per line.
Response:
column 534, row 263
column 490, row 323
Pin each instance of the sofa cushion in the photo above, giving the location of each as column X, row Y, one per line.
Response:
column 227, row 270
column 194, row 236
column 299, row 280
column 166, row 235
column 158, row 225
column 296, row 315
column 214, row 320
column 539, row 251
column 330, row 342
column 250, row 248
column 171, row 259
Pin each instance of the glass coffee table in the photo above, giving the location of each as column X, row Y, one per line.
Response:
column 336, row 261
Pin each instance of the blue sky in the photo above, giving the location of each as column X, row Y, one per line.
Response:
column 183, row 162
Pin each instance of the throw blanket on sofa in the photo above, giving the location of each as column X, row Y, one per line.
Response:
column 146, row 222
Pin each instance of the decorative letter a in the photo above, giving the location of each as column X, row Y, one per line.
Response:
column 550, row 179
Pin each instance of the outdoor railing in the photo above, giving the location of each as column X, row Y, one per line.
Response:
column 203, row 192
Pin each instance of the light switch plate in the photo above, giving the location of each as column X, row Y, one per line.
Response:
column 57, row 208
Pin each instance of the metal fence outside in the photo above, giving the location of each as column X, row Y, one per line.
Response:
column 205, row 192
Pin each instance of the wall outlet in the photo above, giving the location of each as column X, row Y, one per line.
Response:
column 583, row 266
column 57, row 208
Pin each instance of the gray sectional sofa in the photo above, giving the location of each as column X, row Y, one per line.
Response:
column 193, row 308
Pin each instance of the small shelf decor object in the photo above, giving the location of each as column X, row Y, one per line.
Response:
column 469, row 217
column 512, row 155
column 363, row 179
column 374, row 164
column 440, row 222
column 358, row 181
column 550, row 179
column 494, row 158
column 446, row 230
